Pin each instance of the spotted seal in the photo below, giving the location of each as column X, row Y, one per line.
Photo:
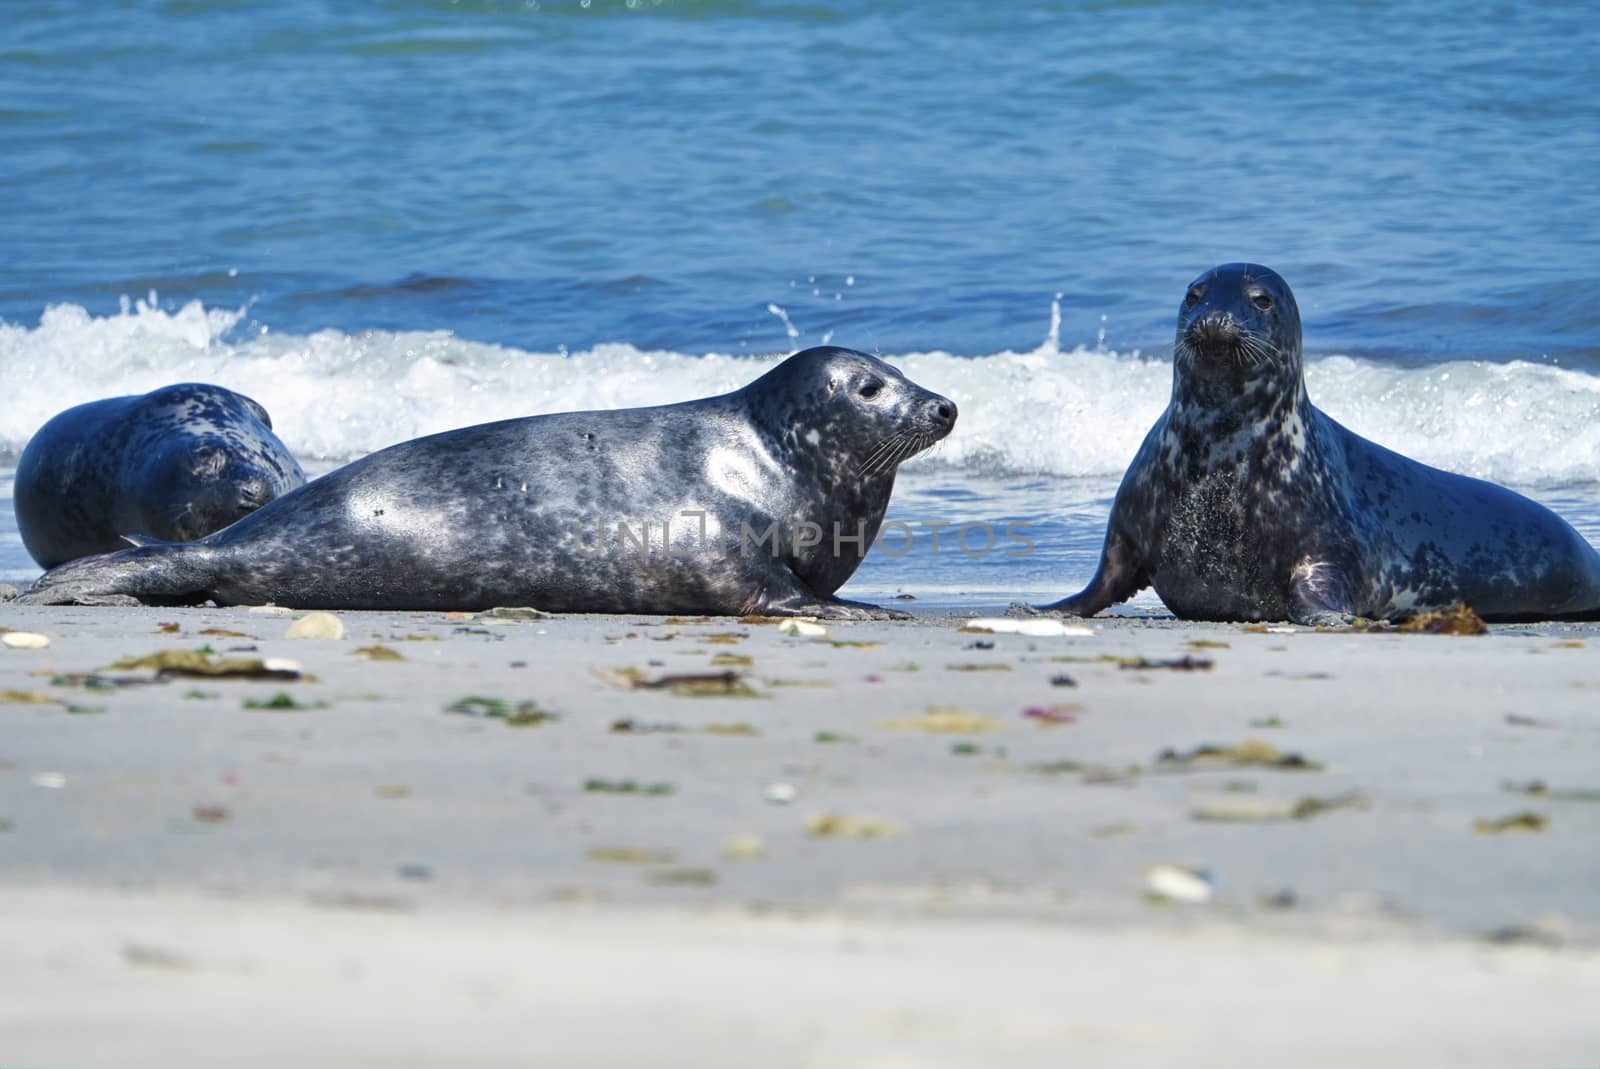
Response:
column 176, row 463
column 763, row 500
column 1246, row 502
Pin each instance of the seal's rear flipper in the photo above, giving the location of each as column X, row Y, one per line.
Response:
column 151, row 573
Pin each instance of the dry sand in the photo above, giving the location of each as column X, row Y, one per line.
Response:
column 899, row 844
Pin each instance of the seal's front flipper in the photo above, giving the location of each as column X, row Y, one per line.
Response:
column 1319, row 595
column 1120, row 576
column 156, row 573
column 786, row 596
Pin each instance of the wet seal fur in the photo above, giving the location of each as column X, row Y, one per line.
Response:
column 1246, row 502
column 175, row 464
column 642, row 510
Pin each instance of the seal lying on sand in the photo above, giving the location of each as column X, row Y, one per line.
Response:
column 763, row 500
column 1247, row 503
column 176, row 463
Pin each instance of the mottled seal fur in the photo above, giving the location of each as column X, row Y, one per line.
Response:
column 1246, row 502
column 763, row 500
column 175, row 464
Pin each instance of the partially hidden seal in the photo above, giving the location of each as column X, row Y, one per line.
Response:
column 1246, row 502
column 175, row 464
column 760, row 501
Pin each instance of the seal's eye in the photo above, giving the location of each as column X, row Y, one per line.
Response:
column 871, row 390
column 1261, row 300
column 1195, row 293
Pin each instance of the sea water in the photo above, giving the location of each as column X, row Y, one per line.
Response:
column 388, row 219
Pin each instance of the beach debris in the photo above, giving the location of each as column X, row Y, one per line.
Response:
column 1250, row 753
column 687, row 877
column 781, row 793
column 27, row 697
column 1206, row 644
column 1114, row 830
column 281, row 702
column 519, row 715
column 316, row 625
column 25, row 640
column 205, row 663
column 1518, row 720
column 223, row 632
column 146, row 956
column 830, row 737
column 50, row 781
column 391, row 791
column 596, row 785
column 1523, row 822
column 724, row 684
column 515, row 612
column 1537, row 788
column 1283, row 898
column 846, row 826
column 746, row 846
column 722, row 638
column 802, row 629
column 629, row 726
column 853, row 644
column 1030, row 627
column 1568, row 644
column 629, row 855
column 1050, row 716
column 414, row 871
column 1266, row 722
column 1459, row 620
column 1167, row 882
column 1302, row 808
column 1186, row 663
column 270, row 610
column 979, row 644
column 944, row 720
column 210, row 814
column 987, row 666
column 168, row 628
column 731, row 660
column 378, row 653
column 200, row 695
column 1061, row 679
column 965, row 749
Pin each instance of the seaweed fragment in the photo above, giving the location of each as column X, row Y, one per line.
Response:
column 1526, row 821
column 1458, row 620
column 1251, row 753
column 519, row 715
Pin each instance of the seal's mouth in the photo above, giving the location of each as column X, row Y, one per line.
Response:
column 938, row 418
column 1217, row 338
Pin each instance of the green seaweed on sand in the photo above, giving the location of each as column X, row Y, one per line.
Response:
column 377, row 653
column 1523, row 822
column 27, row 697
column 731, row 660
column 597, row 785
column 724, row 684
column 629, row 855
column 282, row 702
column 831, row 737
column 1252, row 753
column 995, row 666
column 204, row 662
column 1538, row 788
column 518, row 715
column 87, row 682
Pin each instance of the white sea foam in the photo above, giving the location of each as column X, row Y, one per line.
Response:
column 1079, row 411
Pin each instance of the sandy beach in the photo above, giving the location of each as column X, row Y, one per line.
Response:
column 494, row 840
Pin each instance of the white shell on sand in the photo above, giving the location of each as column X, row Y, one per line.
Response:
column 1033, row 627
column 316, row 625
column 803, row 628
column 24, row 640
column 1179, row 883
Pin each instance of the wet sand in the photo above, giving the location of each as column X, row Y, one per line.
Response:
column 600, row 840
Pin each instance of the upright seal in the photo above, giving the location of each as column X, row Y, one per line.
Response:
column 1246, row 502
column 176, row 463
column 763, row 500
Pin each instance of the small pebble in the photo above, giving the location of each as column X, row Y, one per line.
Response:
column 782, row 793
column 24, row 640
column 1179, row 883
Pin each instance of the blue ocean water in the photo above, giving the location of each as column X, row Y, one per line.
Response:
column 387, row 218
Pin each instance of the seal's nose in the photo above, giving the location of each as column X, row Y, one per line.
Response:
column 941, row 412
column 1213, row 327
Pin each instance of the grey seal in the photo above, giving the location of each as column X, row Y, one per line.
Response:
column 175, row 464
column 1246, row 502
column 760, row 501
